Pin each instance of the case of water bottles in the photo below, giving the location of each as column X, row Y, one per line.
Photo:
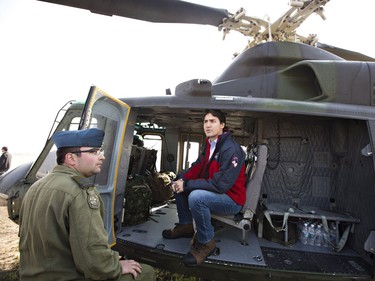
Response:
column 313, row 233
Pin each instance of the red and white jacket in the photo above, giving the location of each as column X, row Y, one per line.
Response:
column 224, row 172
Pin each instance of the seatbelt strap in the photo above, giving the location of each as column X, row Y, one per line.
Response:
column 285, row 220
column 344, row 238
column 325, row 224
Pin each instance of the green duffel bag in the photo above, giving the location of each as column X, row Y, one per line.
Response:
column 138, row 199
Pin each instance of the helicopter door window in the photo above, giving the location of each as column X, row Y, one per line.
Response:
column 48, row 163
column 190, row 149
column 74, row 124
column 192, row 152
column 50, row 160
column 154, row 141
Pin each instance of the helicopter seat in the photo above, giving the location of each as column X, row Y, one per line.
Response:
column 243, row 220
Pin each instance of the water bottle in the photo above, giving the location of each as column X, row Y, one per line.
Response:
column 311, row 236
column 304, row 233
column 318, row 236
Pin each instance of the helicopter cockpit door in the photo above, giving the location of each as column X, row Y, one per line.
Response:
column 111, row 115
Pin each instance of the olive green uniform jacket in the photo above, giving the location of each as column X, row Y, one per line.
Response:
column 62, row 235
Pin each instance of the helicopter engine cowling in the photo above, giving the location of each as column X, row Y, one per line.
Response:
column 295, row 71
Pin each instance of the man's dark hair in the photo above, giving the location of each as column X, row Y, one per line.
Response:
column 5, row 148
column 220, row 115
column 62, row 151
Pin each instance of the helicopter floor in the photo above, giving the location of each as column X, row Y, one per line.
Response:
column 229, row 248
column 259, row 252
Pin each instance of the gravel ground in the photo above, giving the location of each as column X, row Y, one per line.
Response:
column 9, row 255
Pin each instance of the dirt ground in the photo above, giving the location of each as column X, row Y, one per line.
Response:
column 9, row 255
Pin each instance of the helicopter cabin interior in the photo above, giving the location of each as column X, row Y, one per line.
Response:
column 319, row 171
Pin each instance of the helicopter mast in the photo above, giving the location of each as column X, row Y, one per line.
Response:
column 283, row 29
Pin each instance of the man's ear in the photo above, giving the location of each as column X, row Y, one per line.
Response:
column 70, row 159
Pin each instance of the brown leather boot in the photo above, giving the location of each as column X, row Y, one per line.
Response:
column 180, row 230
column 199, row 252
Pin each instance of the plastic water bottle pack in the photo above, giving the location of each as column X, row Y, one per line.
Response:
column 312, row 233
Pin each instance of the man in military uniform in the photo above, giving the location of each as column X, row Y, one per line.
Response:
column 62, row 235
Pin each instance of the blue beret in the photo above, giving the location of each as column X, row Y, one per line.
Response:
column 91, row 138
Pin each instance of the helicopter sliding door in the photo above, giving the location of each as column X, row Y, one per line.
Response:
column 111, row 115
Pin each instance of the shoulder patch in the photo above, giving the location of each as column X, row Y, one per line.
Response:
column 93, row 199
column 235, row 161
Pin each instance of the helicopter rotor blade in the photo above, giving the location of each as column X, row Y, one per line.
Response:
column 161, row 11
column 345, row 54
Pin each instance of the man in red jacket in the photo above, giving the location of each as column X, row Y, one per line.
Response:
column 214, row 183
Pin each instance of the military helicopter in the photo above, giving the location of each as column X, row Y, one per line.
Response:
column 303, row 111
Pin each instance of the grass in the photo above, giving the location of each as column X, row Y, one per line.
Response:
column 9, row 275
column 161, row 275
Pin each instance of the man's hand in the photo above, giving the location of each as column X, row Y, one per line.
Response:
column 130, row 266
column 178, row 186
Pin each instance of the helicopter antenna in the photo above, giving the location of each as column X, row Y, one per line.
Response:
column 283, row 29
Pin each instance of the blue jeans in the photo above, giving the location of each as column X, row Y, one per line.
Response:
column 198, row 205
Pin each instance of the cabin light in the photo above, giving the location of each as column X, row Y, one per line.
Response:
column 225, row 98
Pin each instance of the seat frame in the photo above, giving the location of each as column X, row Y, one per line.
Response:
column 244, row 219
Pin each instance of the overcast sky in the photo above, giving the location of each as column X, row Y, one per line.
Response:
column 50, row 54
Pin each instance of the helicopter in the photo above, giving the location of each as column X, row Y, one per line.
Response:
column 302, row 110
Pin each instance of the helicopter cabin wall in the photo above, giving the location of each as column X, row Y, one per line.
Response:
column 300, row 165
column 355, row 183
column 319, row 163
